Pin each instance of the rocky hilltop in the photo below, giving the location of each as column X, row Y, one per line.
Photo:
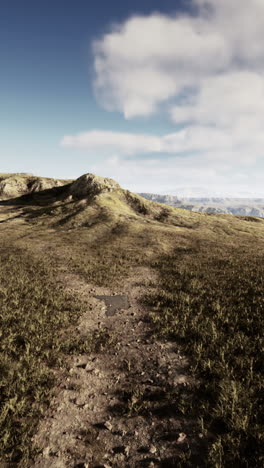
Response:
column 90, row 184
column 16, row 185
column 88, row 200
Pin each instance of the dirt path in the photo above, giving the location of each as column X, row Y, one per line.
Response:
column 111, row 409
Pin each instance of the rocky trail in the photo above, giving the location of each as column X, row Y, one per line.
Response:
column 97, row 417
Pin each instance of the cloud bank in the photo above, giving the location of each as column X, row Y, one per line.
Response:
column 191, row 139
column 150, row 60
column 205, row 70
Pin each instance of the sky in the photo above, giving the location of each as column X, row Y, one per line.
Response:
column 164, row 97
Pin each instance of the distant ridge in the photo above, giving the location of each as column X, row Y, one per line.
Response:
column 236, row 206
column 14, row 186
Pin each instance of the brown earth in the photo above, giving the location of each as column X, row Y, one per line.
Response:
column 95, row 418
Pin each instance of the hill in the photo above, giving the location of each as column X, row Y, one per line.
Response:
column 15, row 185
column 131, row 331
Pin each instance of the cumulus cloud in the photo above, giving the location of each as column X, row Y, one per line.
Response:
column 148, row 60
column 224, row 99
column 192, row 139
column 125, row 143
column 180, row 176
column 197, row 157
column 206, row 70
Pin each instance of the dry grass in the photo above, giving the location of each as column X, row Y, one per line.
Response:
column 36, row 319
column 209, row 299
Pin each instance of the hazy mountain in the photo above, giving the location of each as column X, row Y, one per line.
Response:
column 237, row 206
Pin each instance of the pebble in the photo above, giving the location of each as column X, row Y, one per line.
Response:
column 181, row 438
column 46, row 451
column 108, row 425
column 152, row 449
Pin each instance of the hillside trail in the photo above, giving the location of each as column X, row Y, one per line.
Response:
column 97, row 417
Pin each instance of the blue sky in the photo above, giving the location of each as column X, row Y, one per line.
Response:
column 166, row 97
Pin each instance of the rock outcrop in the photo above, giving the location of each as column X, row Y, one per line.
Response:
column 91, row 185
column 16, row 185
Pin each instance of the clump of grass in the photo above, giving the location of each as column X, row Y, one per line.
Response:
column 35, row 315
column 96, row 341
column 162, row 215
column 137, row 203
column 212, row 303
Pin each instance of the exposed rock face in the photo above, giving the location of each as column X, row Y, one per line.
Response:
column 43, row 184
column 13, row 187
column 90, row 185
column 16, row 185
column 171, row 200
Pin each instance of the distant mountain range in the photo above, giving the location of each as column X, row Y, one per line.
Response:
column 236, row 206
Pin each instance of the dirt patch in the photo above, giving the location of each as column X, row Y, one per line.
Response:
column 114, row 409
column 114, row 303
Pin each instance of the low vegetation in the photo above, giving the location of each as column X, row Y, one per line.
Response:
column 211, row 302
column 35, row 321
column 208, row 299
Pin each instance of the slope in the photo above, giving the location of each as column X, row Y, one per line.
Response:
column 200, row 278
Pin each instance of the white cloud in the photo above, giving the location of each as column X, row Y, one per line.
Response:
column 241, row 22
column 224, row 99
column 207, row 72
column 192, row 139
column 194, row 157
column 147, row 60
column 180, row 176
column 107, row 141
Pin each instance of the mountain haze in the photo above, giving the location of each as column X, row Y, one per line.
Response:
column 236, row 206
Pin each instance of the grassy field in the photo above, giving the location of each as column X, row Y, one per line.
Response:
column 208, row 298
column 36, row 319
column 211, row 302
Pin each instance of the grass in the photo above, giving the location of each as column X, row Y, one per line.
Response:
column 35, row 318
column 211, row 302
column 208, row 299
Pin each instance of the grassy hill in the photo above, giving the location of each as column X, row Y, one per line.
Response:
column 207, row 298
